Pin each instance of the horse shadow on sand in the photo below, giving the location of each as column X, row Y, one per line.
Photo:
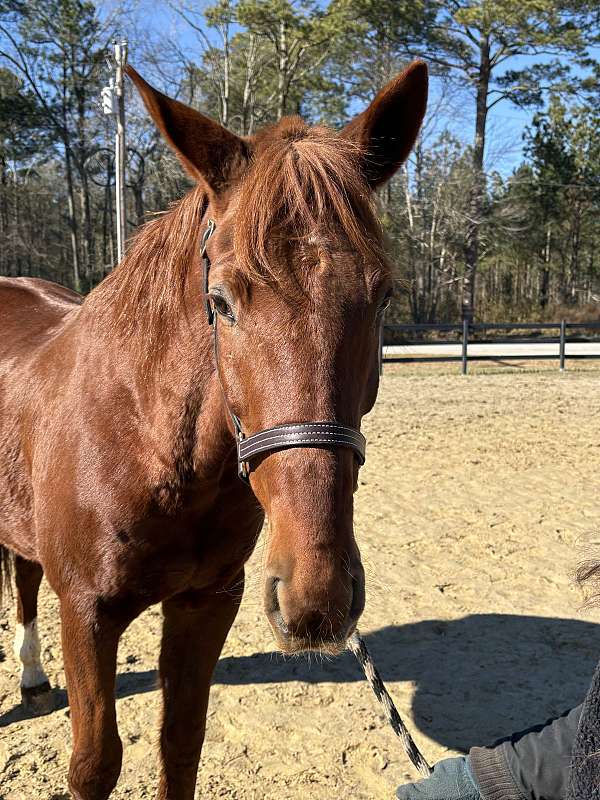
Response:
column 475, row 679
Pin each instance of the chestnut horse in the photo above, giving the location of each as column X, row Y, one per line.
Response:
column 118, row 414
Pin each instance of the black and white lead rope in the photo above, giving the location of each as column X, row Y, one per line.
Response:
column 357, row 646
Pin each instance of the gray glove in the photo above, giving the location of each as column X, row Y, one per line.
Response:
column 452, row 779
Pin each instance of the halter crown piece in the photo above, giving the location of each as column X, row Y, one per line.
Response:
column 325, row 433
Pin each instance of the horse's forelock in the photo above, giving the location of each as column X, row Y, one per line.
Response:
column 303, row 181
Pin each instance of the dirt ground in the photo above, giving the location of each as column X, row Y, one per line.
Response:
column 475, row 496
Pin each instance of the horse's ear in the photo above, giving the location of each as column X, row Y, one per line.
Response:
column 388, row 128
column 207, row 150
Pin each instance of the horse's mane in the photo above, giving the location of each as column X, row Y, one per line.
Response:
column 145, row 291
column 301, row 180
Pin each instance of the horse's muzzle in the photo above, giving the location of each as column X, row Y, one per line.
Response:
column 308, row 622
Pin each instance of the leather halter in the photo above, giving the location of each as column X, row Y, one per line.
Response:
column 327, row 433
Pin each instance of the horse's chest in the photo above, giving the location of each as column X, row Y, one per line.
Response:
column 161, row 556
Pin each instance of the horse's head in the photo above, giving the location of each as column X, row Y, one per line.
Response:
column 298, row 281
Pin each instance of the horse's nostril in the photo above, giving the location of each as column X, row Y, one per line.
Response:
column 279, row 621
column 272, row 597
column 273, row 606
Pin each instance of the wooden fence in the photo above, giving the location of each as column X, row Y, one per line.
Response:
column 466, row 334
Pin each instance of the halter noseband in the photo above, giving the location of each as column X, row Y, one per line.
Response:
column 281, row 437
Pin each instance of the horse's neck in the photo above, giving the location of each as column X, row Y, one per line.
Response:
column 185, row 405
column 149, row 314
column 176, row 403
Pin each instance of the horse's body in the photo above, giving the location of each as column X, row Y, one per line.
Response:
column 118, row 475
column 32, row 312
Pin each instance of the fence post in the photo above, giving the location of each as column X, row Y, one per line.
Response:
column 562, row 347
column 380, row 349
column 465, row 342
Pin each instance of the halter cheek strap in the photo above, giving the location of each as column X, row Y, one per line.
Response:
column 327, row 434
column 210, row 229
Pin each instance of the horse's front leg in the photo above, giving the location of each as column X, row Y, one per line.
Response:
column 195, row 627
column 90, row 639
column 35, row 688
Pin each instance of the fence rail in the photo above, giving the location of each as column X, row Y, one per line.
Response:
column 468, row 336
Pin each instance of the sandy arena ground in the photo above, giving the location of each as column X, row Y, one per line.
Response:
column 474, row 497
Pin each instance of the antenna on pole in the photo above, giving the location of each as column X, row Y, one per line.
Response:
column 113, row 104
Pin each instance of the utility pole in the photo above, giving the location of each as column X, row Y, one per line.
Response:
column 113, row 104
column 121, row 61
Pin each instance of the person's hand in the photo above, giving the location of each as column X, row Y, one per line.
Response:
column 451, row 779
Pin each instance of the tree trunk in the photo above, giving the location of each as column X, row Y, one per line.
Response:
column 72, row 219
column 545, row 277
column 4, row 218
column 226, row 76
column 282, row 76
column 88, row 229
column 15, row 267
column 575, row 251
column 476, row 204
column 89, row 244
column 248, row 95
column 138, row 196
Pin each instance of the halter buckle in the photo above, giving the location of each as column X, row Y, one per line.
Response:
column 243, row 466
column 244, row 471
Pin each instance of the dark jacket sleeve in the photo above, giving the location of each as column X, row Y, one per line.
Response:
column 529, row 765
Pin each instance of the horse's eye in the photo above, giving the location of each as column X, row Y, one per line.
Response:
column 222, row 307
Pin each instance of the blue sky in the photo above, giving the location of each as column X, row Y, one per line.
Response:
column 506, row 124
